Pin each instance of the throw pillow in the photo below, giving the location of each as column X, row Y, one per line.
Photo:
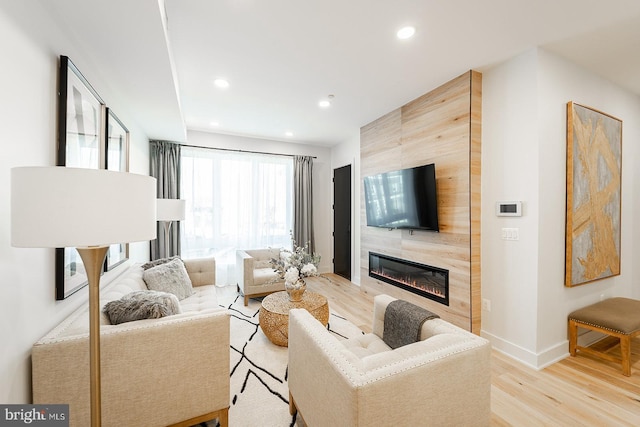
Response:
column 140, row 305
column 157, row 262
column 169, row 277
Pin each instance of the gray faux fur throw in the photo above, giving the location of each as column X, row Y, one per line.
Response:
column 403, row 323
column 140, row 305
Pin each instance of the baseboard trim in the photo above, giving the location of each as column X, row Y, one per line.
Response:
column 514, row 351
column 537, row 361
column 356, row 279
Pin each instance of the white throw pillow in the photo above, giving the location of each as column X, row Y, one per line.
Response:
column 169, row 277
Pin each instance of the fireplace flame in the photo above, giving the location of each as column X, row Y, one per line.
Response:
column 409, row 281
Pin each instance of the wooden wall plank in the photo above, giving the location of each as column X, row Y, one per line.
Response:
column 475, row 171
column 441, row 127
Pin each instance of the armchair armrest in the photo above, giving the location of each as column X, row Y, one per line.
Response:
column 320, row 370
column 380, row 303
column 244, row 269
column 429, row 329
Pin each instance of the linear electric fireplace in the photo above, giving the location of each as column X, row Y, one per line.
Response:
column 425, row 280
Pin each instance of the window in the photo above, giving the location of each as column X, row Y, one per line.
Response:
column 234, row 201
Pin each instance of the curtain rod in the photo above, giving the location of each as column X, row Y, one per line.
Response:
column 242, row 151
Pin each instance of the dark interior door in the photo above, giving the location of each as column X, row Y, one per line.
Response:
column 342, row 221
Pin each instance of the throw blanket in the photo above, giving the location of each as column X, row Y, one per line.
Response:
column 403, row 322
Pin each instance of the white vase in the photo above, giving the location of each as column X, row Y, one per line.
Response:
column 295, row 289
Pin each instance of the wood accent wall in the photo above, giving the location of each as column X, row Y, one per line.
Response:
column 441, row 127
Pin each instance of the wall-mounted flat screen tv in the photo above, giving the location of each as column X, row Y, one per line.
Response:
column 402, row 199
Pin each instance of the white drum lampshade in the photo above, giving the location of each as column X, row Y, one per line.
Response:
column 170, row 209
column 55, row 207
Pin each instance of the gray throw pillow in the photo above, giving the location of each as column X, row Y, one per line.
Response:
column 169, row 277
column 156, row 262
column 140, row 305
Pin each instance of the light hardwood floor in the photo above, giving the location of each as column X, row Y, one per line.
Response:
column 577, row 391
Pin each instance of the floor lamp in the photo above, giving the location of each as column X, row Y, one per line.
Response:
column 89, row 209
column 167, row 211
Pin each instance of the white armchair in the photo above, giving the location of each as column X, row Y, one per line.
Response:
column 255, row 275
column 444, row 379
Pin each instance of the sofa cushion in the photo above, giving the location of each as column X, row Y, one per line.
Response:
column 201, row 271
column 203, row 299
column 140, row 305
column 169, row 277
column 365, row 345
column 264, row 275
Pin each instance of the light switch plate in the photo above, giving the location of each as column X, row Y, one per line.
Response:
column 510, row 234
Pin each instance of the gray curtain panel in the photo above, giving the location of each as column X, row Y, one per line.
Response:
column 165, row 167
column 303, row 201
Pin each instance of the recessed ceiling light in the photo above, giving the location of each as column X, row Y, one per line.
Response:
column 288, row 133
column 214, row 123
column 406, row 32
column 221, row 83
column 324, row 103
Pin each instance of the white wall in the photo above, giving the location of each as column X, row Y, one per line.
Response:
column 509, row 172
column 322, row 173
column 30, row 45
column 562, row 81
column 523, row 158
column 348, row 153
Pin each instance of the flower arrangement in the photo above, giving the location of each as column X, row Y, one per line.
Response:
column 294, row 265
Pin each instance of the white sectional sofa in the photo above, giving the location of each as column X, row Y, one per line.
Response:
column 155, row 372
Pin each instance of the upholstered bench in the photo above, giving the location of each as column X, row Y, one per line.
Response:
column 618, row 317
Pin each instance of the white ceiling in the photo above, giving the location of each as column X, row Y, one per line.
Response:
column 282, row 56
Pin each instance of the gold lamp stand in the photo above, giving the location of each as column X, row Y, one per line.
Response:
column 42, row 216
column 93, row 260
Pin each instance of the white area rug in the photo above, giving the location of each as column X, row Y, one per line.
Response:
column 259, row 390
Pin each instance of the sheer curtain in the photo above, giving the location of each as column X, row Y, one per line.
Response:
column 234, row 201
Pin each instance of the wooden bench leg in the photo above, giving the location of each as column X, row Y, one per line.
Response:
column 625, row 351
column 573, row 337
column 625, row 345
column 224, row 418
column 222, row 415
column 292, row 405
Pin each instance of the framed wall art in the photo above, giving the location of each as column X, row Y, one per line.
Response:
column 117, row 143
column 116, row 159
column 594, row 161
column 81, row 114
column 81, row 117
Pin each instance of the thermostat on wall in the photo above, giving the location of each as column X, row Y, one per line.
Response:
column 509, row 208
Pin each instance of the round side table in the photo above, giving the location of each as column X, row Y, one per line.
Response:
column 274, row 314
